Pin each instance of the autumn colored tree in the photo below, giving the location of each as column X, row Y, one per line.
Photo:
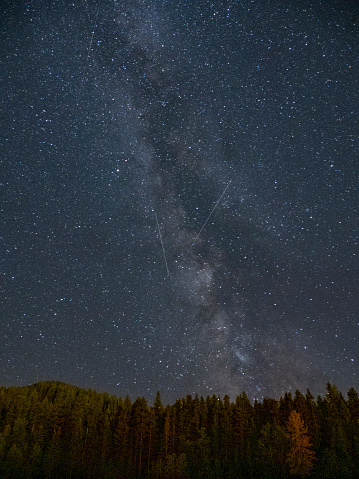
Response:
column 53, row 430
column 300, row 456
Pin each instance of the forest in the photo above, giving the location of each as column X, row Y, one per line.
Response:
column 55, row 430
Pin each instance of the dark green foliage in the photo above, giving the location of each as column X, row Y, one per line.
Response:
column 54, row 430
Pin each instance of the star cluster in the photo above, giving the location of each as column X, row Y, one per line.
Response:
column 180, row 196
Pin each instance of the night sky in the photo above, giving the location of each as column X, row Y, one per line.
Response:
column 180, row 196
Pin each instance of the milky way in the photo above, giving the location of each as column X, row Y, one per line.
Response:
column 180, row 196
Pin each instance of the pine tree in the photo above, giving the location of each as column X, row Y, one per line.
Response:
column 272, row 448
column 122, row 437
column 300, row 456
column 242, row 413
column 353, row 404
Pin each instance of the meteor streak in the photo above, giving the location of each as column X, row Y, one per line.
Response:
column 93, row 32
column 211, row 213
column 163, row 249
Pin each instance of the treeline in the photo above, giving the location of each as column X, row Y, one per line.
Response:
column 54, row 430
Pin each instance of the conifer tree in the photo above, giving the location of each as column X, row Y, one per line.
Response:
column 300, row 456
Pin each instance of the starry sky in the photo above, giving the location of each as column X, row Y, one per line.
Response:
column 180, row 196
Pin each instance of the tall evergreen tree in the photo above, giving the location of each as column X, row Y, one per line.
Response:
column 300, row 456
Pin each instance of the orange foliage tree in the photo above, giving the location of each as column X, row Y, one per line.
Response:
column 300, row 457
